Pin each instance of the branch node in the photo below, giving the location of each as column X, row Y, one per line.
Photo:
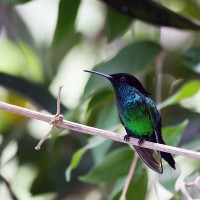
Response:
column 58, row 118
column 194, row 184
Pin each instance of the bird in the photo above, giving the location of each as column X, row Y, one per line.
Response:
column 139, row 116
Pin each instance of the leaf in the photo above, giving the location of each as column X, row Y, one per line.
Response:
column 77, row 156
column 137, row 188
column 99, row 103
column 13, row 2
column 152, row 12
column 107, row 117
column 115, row 165
column 116, row 29
column 117, row 188
column 172, row 134
column 60, row 50
column 191, row 177
column 100, row 98
column 100, row 151
column 169, row 177
column 190, row 8
column 131, row 59
column 33, row 91
column 192, row 145
column 188, row 90
column 66, row 18
column 191, row 59
column 14, row 25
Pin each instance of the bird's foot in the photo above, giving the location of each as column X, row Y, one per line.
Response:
column 140, row 141
column 127, row 138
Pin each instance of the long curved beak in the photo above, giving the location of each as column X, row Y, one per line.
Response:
column 98, row 73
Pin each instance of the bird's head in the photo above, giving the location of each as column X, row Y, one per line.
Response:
column 123, row 78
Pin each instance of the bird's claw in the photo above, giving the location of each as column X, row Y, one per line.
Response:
column 127, row 138
column 140, row 141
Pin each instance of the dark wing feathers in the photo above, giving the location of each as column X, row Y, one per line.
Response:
column 147, row 156
column 157, row 136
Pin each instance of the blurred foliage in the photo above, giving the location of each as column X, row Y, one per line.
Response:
column 44, row 44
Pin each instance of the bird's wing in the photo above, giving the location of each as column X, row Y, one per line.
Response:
column 157, row 137
column 147, row 155
column 156, row 119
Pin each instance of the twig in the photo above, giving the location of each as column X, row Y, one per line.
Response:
column 94, row 131
column 130, row 175
column 43, row 139
column 195, row 184
column 7, row 184
column 58, row 100
column 54, row 121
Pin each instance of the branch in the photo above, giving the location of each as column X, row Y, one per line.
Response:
column 94, row 131
column 129, row 177
column 194, row 184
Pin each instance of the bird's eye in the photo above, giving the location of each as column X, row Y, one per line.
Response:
column 123, row 79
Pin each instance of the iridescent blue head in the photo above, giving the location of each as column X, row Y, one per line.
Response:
column 123, row 78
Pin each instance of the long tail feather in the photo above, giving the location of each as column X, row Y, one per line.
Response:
column 167, row 156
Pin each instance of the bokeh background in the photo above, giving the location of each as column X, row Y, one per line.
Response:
column 48, row 43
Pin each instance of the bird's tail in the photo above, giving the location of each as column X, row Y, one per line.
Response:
column 147, row 155
column 167, row 156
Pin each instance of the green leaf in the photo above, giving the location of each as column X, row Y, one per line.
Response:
column 191, row 59
column 13, row 1
column 169, row 177
column 66, row 18
column 103, row 104
column 92, row 142
column 152, row 12
column 172, row 134
column 190, row 8
column 131, row 59
column 37, row 93
column 60, row 50
column 188, row 90
column 100, row 151
column 192, row 176
column 99, row 103
column 107, row 117
column 117, row 188
column 100, row 98
column 115, row 165
column 137, row 188
column 192, row 145
column 116, row 29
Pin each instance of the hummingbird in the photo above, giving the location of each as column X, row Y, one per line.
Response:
column 139, row 116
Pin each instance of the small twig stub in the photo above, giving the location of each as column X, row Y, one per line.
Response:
column 195, row 184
